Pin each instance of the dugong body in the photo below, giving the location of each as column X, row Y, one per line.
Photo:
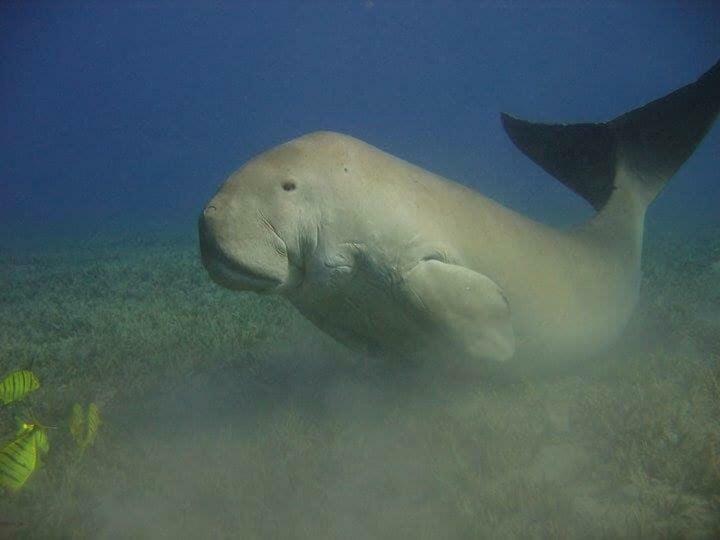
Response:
column 390, row 258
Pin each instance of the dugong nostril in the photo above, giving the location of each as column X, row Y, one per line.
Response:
column 209, row 209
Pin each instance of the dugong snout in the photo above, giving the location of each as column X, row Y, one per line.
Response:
column 238, row 256
column 211, row 254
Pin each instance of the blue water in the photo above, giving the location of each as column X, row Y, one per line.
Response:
column 126, row 112
column 227, row 415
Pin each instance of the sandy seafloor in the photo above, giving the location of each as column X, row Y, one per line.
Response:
column 229, row 416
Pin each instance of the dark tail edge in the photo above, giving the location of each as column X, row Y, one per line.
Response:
column 649, row 143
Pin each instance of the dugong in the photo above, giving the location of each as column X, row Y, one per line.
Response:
column 391, row 259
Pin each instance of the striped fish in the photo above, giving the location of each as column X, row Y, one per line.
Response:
column 17, row 385
column 19, row 457
column 93, row 423
column 84, row 428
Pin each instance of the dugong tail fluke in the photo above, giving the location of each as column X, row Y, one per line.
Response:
column 648, row 144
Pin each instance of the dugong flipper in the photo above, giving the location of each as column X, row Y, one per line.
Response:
column 463, row 310
column 388, row 257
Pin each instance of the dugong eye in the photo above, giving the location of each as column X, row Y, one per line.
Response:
column 288, row 185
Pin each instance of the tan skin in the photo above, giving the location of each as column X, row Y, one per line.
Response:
column 337, row 226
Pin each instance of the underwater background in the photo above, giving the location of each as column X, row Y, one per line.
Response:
column 227, row 415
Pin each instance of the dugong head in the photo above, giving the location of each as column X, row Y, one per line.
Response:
column 257, row 231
